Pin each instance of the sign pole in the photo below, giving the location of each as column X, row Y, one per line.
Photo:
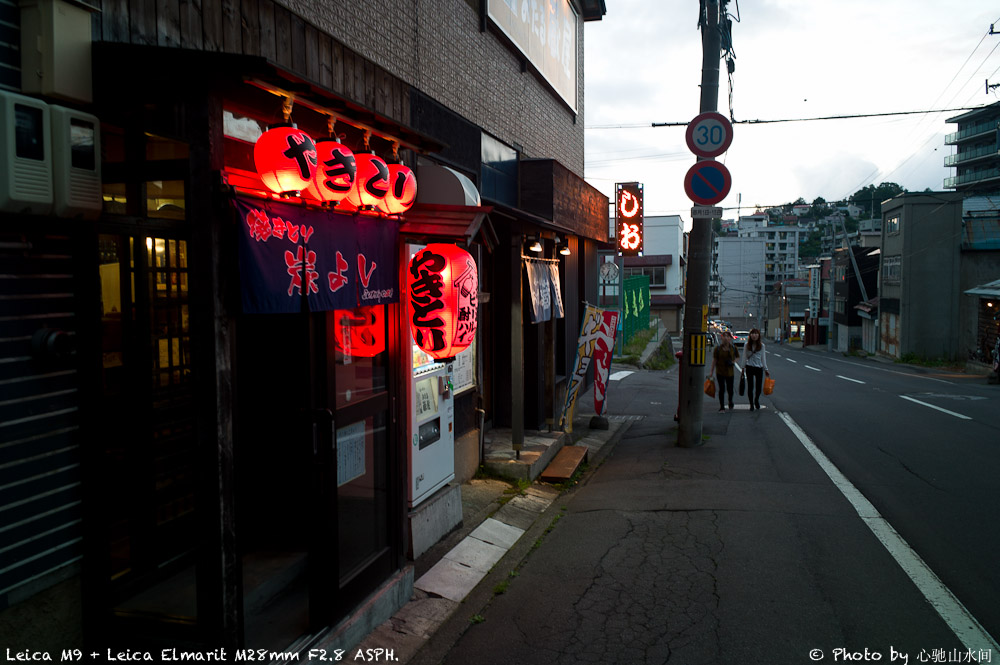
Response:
column 691, row 399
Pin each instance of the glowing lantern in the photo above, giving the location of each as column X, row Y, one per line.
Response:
column 335, row 171
column 402, row 190
column 443, row 286
column 360, row 332
column 371, row 183
column 285, row 158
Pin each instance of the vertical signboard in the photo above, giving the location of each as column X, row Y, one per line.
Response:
column 629, row 218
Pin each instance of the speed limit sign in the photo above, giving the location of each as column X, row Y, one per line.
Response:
column 709, row 134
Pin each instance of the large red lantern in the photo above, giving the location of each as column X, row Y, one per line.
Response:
column 360, row 332
column 371, row 183
column 285, row 158
column 402, row 190
column 336, row 170
column 443, row 286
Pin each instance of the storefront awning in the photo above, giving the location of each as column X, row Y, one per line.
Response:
column 448, row 204
column 988, row 290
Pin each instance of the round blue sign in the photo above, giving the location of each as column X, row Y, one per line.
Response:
column 707, row 182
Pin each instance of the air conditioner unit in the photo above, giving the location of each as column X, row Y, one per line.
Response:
column 76, row 163
column 25, row 146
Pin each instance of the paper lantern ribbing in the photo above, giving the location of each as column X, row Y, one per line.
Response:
column 402, row 190
column 285, row 159
column 360, row 332
column 371, row 183
column 443, row 287
column 335, row 171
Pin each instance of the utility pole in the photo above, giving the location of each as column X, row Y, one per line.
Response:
column 690, row 398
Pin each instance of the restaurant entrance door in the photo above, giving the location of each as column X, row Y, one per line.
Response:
column 317, row 508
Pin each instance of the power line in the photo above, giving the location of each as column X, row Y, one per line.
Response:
column 829, row 117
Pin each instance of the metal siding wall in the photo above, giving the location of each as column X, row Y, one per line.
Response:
column 10, row 46
column 40, row 510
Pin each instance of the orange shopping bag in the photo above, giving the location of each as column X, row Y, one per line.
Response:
column 710, row 387
column 768, row 385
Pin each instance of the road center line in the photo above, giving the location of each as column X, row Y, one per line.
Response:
column 845, row 378
column 937, row 408
column 792, row 361
column 815, row 369
column 949, row 608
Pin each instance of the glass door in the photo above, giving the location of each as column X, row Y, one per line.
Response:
column 313, row 468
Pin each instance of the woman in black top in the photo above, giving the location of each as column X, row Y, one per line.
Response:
column 723, row 361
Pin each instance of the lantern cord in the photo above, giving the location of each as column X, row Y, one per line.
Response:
column 286, row 107
column 395, row 152
column 331, row 124
column 368, row 135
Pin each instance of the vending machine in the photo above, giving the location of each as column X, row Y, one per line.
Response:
column 431, row 422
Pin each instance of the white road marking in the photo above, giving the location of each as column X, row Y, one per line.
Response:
column 776, row 355
column 845, row 378
column 873, row 366
column 792, row 361
column 937, row 408
column 618, row 376
column 815, row 369
column 949, row 608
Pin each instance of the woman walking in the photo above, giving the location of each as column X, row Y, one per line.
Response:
column 723, row 360
column 754, row 361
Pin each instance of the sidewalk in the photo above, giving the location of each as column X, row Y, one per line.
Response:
column 495, row 519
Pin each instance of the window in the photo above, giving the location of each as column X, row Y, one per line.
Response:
column 892, row 224
column 891, row 268
column 657, row 275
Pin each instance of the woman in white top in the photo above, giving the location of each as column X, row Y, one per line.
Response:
column 754, row 361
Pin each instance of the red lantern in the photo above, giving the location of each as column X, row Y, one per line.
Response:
column 402, row 190
column 335, row 171
column 443, row 286
column 360, row 332
column 371, row 183
column 285, row 158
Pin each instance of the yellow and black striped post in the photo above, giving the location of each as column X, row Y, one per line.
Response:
column 699, row 343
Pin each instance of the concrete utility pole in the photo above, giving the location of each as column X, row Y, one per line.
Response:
column 691, row 399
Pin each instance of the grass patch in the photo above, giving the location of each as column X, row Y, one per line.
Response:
column 477, row 618
column 914, row 359
column 501, row 588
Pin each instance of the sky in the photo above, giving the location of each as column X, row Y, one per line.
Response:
column 794, row 59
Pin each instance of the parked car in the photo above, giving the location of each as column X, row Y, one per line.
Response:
column 740, row 337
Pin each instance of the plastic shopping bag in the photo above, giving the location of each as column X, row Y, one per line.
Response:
column 768, row 385
column 710, row 387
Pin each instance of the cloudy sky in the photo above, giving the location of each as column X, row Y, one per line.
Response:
column 794, row 59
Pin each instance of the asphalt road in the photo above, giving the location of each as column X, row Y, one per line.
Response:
column 743, row 550
column 923, row 445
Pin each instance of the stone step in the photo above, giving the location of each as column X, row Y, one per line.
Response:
column 565, row 464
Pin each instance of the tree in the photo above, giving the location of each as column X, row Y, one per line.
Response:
column 872, row 196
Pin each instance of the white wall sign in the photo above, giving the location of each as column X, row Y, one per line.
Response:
column 545, row 32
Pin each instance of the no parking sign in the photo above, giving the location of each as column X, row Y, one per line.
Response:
column 707, row 182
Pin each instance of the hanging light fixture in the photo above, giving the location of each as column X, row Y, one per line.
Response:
column 565, row 246
column 402, row 186
column 285, row 156
column 536, row 246
column 336, row 169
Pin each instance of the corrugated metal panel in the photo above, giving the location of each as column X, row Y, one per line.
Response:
column 40, row 510
column 10, row 46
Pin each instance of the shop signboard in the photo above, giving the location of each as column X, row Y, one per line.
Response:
column 295, row 259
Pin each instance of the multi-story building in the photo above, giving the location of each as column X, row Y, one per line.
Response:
column 781, row 244
column 215, row 424
column 977, row 154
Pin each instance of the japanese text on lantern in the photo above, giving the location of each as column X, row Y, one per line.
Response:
column 444, row 297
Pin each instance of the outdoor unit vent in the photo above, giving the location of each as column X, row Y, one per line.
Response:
column 25, row 146
column 76, row 163
column 56, row 49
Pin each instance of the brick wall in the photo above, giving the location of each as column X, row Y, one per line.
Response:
column 436, row 46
